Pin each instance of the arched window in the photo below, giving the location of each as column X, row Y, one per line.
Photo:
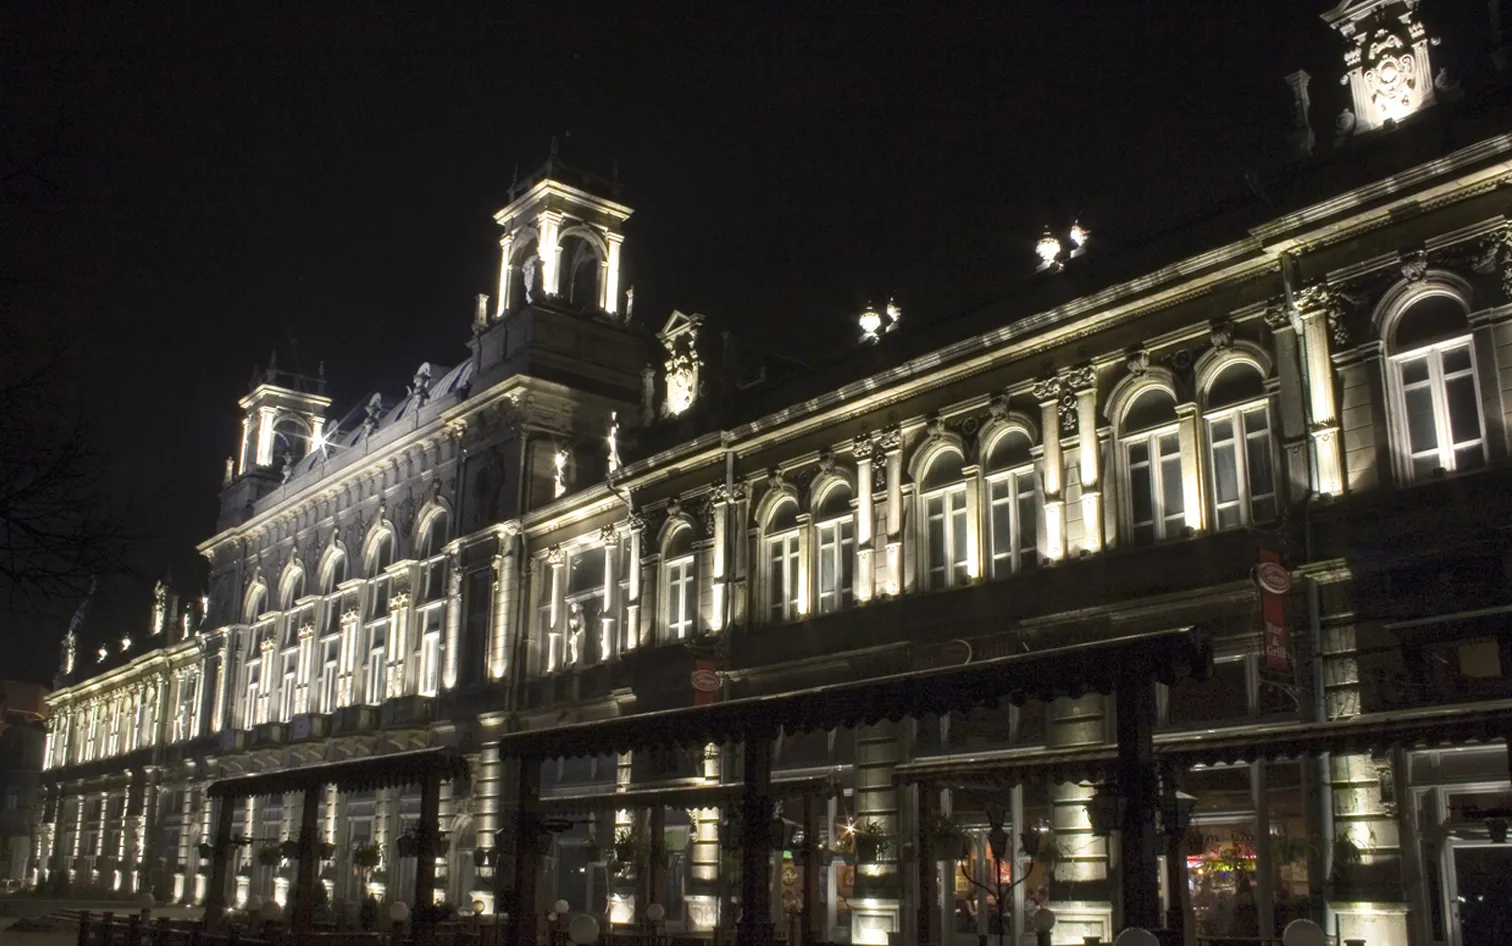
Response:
column 291, row 439
column 380, row 554
column 433, row 537
column 947, row 527
column 835, row 531
column 1151, row 445
column 680, row 584
column 432, row 543
column 783, row 575
column 334, row 572
column 257, row 603
column 293, row 589
column 1013, row 503
column 1433, row 372
column 1242, row 461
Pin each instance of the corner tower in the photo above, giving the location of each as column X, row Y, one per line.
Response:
column 562, row 236
column 284, row 416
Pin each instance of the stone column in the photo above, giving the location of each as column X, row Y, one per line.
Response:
column 427, row 833
column 506, row 270
column 453, row 620
column 975, row 569
column 548, row 225
column 1048, row 394
column 1328, row 466
column 865, row 582
column 304, row 669
column 612, row 273
column 632, row 632
column 891, row 443
column 1192, row 464
column 398, row 645
column 1083, row 381
column 1137, row 782
column 485, row 786
column 524, row 919
column 215, row 898
column 222, row 710
column 346, row 676
column 506, row 588
column 1080, row 889
column 878, row 751
column 719, row 557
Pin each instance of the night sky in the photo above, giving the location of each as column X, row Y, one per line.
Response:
column 221, row 184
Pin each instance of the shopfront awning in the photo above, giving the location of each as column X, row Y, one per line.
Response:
column 1461, row 724
column 678, row 796
column 1167, row 656
column 381, row 771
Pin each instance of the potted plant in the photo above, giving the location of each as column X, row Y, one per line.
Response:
column 871, row 842
column 629, row 849
column 946, row 839
column 270, row 854
column 366, row 856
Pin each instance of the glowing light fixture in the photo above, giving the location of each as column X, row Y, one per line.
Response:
column 1048, row 250
column 874, row 324
column 1079, row 235
column 125, row 643
column 103, row 654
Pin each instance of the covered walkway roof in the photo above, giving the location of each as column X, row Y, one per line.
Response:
column 380, row 771
column 1072, row 671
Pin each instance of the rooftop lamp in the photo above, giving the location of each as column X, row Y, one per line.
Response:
column 1048, row 249
column 874, row 324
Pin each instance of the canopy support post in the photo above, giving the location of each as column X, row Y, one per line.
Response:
column 215, row 898
column 304, row 880
column 1138, row 784
column 755, row 926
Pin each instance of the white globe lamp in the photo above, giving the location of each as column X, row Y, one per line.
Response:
column 561, row 908
column 1134, row 936
column 1043, row 920
column 253, row 904
column 399, row 911
column 1303, row 933
column 583, row 930
column 656, row 913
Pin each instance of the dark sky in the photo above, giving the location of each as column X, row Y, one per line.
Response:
column 230, row 182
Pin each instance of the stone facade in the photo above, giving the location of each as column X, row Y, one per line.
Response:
column 582, row 521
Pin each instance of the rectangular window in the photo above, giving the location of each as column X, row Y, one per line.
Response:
column 1013, row 513
column 948, row 538
column 782, row 577
column 1441, row 410
column 376, row 685
column 837, row 564
column 476, row 602
column 330, row 653
column 286, row 690
column 430, row 663
column 682, row 598
column 1244, row 486
column 1153, row 462
column 249, row 712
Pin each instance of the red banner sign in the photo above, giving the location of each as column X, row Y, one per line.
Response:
column 1274, row 581
column 705, row 682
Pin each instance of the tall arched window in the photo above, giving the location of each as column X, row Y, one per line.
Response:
column 333, row 572
column 292, row 590
column 380, row 555
column 257, row 603
column 947, row 527
column 680, row 584
column 783, row 575
column 1433, row 371
column 835, row 532
column 430, row 547
column 1151, row 445
column 1012, row 503
column 1242, row 462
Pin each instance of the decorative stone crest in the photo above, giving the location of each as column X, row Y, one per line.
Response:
column 1333, row 303
column 1046, row 390
column 608, row 535
column 1496, row 258
column 998, row 408
column 1387, row 68
column 934, row 426
column 1138, row 362
column 1067, row 408
column 890, row 438
column 1221, row 334
column 862, row 448
column 555, row 555
column 679, row 336
column 1415, row 267
column 1080, row 378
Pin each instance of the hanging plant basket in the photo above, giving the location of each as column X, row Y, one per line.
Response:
column 871, row 843
column 206, row 850
column 270, row 854
column 407, row 845
column 366, row 856
column 947, row 841
column 327, row 850
column 290, row 850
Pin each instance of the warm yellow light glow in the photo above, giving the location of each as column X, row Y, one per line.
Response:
column 1048, row 248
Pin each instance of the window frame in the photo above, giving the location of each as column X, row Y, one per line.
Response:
column 1245, row 503
column 949, row 517
column 681, row 610
column 843, row 550
column 1150, row 440
column 1016, row 553
column 1436, row 383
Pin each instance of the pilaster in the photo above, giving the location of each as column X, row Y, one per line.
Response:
column 1052, row 476
column 865, row 586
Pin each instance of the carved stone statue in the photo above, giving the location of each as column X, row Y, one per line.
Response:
column 531, row 270
column 612, row 441
column 374, row 413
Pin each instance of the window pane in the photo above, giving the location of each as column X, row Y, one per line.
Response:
column 1225, row 474
column 1139, row 452
column 1464, row 413
column 847, row 561
column 1415, row 371
column 1141, row 499
column 1422, row 435
column 1457, row 359
column 958, row 535
column 1002, row 527
column 1026, row 514
column 1170, row 475
column 1257, row 459
column 935, row 508
column 689, row 596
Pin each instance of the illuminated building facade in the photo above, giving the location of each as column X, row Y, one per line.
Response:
column 588, row 518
